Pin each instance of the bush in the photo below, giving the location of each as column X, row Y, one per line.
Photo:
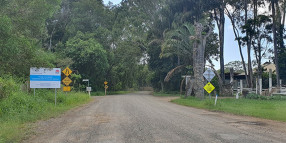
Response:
column 252, row 96
column 7, row 86
column 257, row 96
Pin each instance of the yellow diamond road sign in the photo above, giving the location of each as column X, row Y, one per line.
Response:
column 67, row 71
column 209, row 87
column 105, row 82
column 67, row 81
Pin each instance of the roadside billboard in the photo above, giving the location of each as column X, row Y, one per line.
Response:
column 45, row 78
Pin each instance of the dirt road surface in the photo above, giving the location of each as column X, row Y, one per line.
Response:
column 142, row 118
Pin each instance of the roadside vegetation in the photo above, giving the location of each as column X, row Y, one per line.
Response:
column 272, row 108
column 19, row 108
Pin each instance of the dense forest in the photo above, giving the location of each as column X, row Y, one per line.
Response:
column 139, row 43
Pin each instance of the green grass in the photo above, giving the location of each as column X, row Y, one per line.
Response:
column 267, row 109
column 97, row 93
column 19, row 110
column 162, row 94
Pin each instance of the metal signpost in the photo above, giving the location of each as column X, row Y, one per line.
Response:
column 209, row 75
column 88, row 89
column 67, row 81
column 45, row 78
column 105, row 86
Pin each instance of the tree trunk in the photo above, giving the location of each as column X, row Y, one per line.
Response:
column 275, row 42
column 249, row 38
column 199, row 52
column 189, row 87
column 236, row 33
column 162, row 85
column 181, row 85
column 220, row 19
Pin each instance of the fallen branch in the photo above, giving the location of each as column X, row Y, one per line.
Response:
column 171, row 73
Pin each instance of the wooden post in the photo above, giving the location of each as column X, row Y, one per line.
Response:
column 241, row 86
column 187, row 79
column 260, row 86
column 231, row 79
column 231, row 75
column 55, row 97
column 280, row 87
column 256, row 86
column 270, row 81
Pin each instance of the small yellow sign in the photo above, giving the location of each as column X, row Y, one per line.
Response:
column 67, row 81
column 105, row 86
column 105, row 83
column 67, row 71
column 209, row 87
column 66, row 88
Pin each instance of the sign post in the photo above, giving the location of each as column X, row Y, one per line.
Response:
column 88, row 89
column 45, row 78
column 55, row 97
column 67, row 81
column 209, row 75
column 105, row 86
column 87, row 81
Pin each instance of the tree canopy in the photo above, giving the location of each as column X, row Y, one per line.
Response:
column 139, row 43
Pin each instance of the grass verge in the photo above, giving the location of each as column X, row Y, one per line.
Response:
column 267, row 109
column 162, row 94
column 19, row 110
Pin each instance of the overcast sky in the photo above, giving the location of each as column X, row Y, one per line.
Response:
column 113, row 1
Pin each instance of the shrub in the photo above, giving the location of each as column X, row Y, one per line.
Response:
column 261, row 97
column 252, row 96
column 7, row 86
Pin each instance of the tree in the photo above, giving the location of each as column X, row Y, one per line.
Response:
column 248, row 38
column 261, row 38
column 89, row 58
column 220, row 20
column 199, row 47
column 19, row 53
column 235, row 18
column 278, row 11
column 236, row 65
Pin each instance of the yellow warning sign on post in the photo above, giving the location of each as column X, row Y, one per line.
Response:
column 67, row 81
column 209, row 87
column 66, row 88
column 105, row 83
column 67, row 71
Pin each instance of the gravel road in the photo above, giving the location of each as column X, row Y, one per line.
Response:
column 142, row 118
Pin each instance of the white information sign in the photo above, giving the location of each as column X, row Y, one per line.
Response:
column 88, row 89
column 45, row 78
column 209, row 74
